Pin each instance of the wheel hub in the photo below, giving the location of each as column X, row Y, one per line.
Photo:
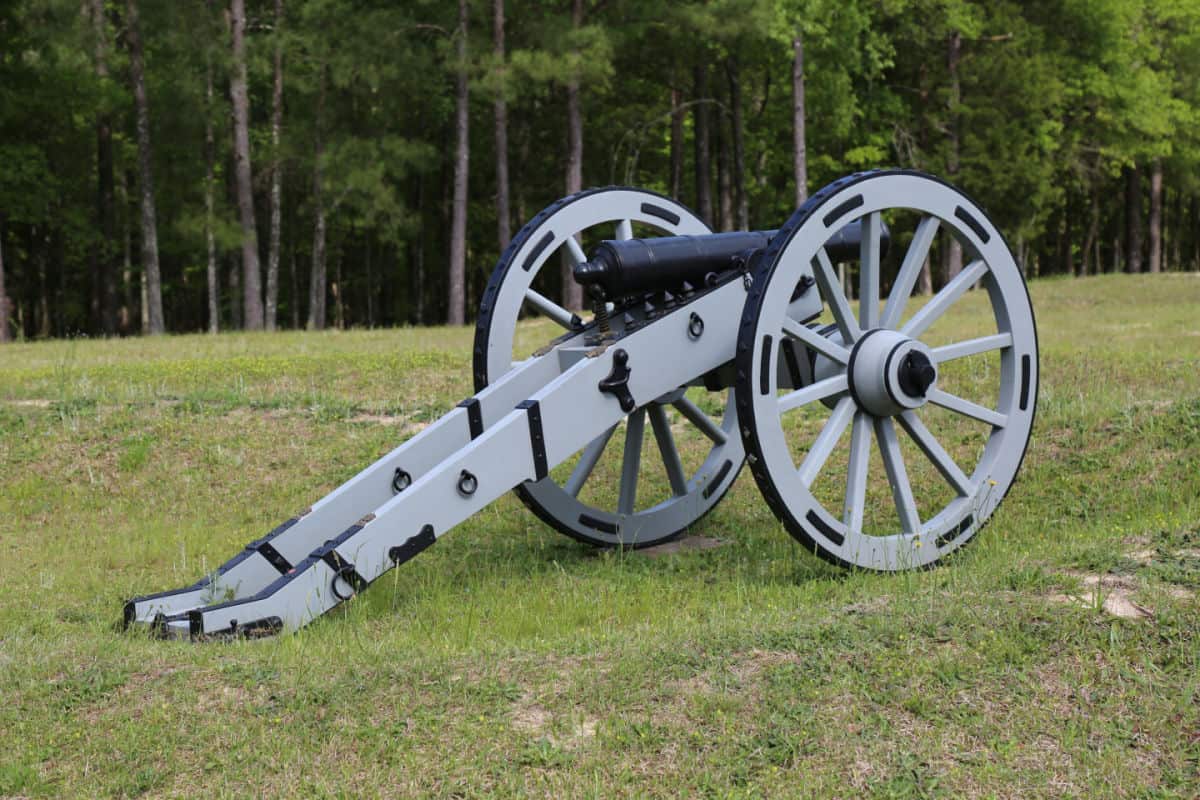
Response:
column 889, row 373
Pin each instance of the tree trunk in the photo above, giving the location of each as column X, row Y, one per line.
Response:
column 799, row 147
column 952, row 258
column 210, row 170
column 724, row 191
column 370, row 284
column 132, row 210
column 1176, row 235
column 1168, row 230
column 1089, row 241
column 1133, row 219
column 456, row 312
column 135, row 295
column 572, row 292
column 740, row 201
column 39, row 240
column 1196, row 233
column 676, row 143
column 137, row 74
column 1156, row 216
column 418, row 256
column 5, row 333
column 339, row 308
column 520, row 198
column 1066, row 249
column 144, row 290
column 500, row 110
column 106, row 268
column 295, row 284
column 316, row 284
column 271, row 310
column 251, row 271
column 235, row 289
column 1072, row 264
column 953, row 253
column 700, row 120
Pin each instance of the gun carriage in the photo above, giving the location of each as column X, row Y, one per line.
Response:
column 722, row 338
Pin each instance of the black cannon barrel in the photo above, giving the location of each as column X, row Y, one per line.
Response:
column 623, row 268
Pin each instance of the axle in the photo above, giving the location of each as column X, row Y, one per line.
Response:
column 635, row 266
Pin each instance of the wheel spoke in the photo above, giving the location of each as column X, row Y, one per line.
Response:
column 856, row 472
column 968, row 409
column 868, row 273
column 551, row 309
column 576, row 250
column 631, row 461
column 831, row 290
column 624, row 230
column 823, row 446
column 936, row 454
column 697, row 417
column 817, row 391
column 666, row 446
column 816, row 341
column 972, row 347
column 587, row 462
column 910, row 270
column 941, row 301
column 897, row 475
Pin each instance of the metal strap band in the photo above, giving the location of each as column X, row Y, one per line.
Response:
column 474, row 416
column 537, row 440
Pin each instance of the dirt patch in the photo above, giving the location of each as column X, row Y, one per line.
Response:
column 225, row 698
column 740, row 676
column 378, row 419
column 29, row 403
column 550, row 668
column 750, row 664
column 1112, row 593
column 131, row 696
column 686, row 544
column 1147, row 554
column 582, row 733
column 869, row 606
column 531, row 718
column 697, row 684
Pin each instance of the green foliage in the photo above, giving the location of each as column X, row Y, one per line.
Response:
column 1048, row 107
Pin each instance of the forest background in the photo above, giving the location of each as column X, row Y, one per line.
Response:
column 214, row 164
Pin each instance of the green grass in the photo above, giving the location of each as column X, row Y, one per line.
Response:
column 509, row 660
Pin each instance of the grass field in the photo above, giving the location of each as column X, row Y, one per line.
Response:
column 1057, row 656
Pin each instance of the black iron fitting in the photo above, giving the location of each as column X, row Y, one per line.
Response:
column 617, row 382
column 916, row 374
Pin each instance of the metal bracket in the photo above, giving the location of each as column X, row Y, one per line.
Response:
column 617, row 382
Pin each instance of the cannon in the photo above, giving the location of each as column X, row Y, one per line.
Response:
column 737, row 348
